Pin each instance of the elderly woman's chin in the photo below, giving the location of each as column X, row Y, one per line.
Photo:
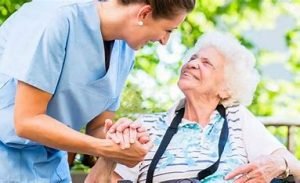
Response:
column 184, row 84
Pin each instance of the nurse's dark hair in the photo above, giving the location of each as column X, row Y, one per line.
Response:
column 165, row 8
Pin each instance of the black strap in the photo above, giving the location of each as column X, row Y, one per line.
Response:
column 222, row 141
column 164, row 144
column 173, row 130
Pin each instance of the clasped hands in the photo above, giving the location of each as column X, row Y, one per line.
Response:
column 126, row 132
column 127, row 143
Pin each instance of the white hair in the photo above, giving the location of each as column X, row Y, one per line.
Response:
column 241, row 76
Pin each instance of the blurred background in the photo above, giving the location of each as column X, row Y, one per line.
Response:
column 270, row 28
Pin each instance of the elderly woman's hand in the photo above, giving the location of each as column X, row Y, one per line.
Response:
column 126, row 132
column 262, row 170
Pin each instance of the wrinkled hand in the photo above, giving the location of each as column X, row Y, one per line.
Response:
column 129, row 141
column 262, row 170
column 126, row 132
column 101, row 172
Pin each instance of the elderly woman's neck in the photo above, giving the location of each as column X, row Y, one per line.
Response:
column 199, row 110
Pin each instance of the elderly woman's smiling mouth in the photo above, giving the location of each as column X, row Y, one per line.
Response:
column 187, row 74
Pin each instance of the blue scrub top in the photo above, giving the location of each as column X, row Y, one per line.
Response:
column 57, row 47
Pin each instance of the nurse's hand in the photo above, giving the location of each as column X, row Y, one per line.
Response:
column 126, row 132
column 130, row 156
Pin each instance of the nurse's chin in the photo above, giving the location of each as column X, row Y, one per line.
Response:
column 135, row 47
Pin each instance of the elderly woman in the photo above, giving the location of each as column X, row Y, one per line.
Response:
column 209, row 136
column 63, row 64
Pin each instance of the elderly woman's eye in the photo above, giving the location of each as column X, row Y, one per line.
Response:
column 193, row 58
column 207, row 63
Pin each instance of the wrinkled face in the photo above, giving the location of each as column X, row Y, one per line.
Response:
column 154, row 30
column 203, row 73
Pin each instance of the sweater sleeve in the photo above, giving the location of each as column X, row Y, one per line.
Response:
column 258, row 140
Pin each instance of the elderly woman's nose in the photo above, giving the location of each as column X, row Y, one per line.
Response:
column 193, row 65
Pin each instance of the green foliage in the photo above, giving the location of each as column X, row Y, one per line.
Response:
column 79, row 167
column 131, row 105
column 7, row 7
column 293, row 41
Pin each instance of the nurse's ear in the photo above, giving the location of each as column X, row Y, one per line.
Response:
column 144, row 13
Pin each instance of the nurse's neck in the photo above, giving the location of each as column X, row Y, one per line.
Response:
column 116, row 19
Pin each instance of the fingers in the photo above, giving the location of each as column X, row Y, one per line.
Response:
column 132, row 135
column 148, row 146
column 135, row 128
column 136, row 124
column 120, row 125
column 123, row 123
column 242, row 179
column 240, row 171
column 126, row 132
column 126, row 138
column 141, row 129
column 118, row 132
column 108, row 124
column 142, row 135
column 144, row 139
column 120, row 137
column 250, row 178
column 113, row 137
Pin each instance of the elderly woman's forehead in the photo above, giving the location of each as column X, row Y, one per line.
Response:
column 210, row 51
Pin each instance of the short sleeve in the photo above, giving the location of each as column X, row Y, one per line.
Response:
column 258, row 140
column 35, row 48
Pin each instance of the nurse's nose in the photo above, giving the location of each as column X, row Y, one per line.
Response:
column 164, row 39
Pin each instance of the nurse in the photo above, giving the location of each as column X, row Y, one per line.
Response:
column 63, row 65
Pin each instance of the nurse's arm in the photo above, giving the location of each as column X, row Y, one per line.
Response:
column 32, row 122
